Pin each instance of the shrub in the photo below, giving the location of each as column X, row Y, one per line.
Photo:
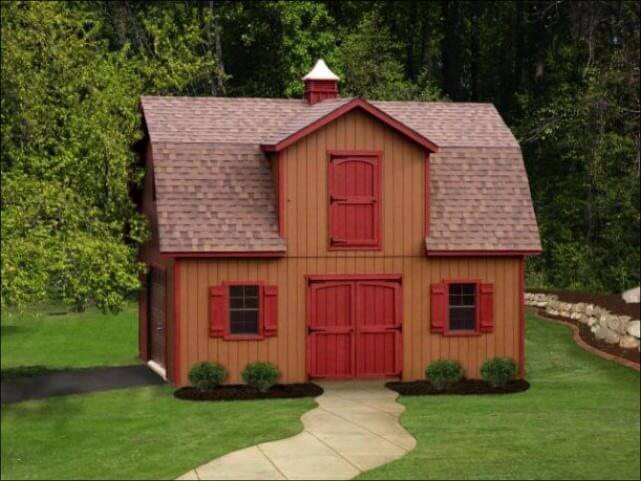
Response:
column 498, row 371
column 261, row 375
column 444, row 373
column 206, row 376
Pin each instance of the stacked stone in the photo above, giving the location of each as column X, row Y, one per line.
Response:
column 611, row 328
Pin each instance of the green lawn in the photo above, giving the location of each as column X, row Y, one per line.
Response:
column 142, row 433
column 579, row 420
column 53, row 339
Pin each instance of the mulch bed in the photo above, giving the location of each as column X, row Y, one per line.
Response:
column 587, row 337
column 465, row 386
column 612, row 302
column 239, row 392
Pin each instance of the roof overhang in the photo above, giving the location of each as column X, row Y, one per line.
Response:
column 357, row 103
column 481, row 253
column 226, row 254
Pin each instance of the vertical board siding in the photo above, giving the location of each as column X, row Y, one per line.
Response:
column 288, row 348
column 403, row 190
column 305, row 169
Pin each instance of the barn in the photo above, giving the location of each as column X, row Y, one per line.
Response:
column 334, row 237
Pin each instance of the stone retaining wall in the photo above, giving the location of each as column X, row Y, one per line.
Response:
column 613, row 329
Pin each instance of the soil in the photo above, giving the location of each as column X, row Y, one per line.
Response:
column 587, row 336
column 465, row 386
column 236, row 392
column 612, row 302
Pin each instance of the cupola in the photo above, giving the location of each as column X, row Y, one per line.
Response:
column 320, row 83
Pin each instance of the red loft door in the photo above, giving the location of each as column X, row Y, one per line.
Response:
column 354, row 329
column 354, row 201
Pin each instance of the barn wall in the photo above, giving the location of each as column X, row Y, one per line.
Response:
column 288, row 349
column 403, row 185
column 304, row 172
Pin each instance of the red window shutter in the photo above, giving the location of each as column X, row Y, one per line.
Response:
column 439, row 302
column 355, row 200
column 270, row 310
column 218, row 311
column 486, row 307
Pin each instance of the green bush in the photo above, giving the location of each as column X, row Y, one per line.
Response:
column 444, row 373
column 206, row 376
column 261, row 375
column 498, row 371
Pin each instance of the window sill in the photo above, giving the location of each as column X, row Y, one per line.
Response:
column 243, row 337
column 462, row 333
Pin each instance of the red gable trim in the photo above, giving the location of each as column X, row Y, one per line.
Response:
column 477, row 253
column 348, row 107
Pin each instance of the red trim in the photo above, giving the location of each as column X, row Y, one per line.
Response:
column 353, row 277
column 355, row 244
column 459, row 253
column 281, row 195
column 226, row 254
column 522, row 318
column 246, row 337
column 428, row 193
column 348, row 107
column 176, row 366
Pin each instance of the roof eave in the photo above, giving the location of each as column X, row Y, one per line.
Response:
column 342, row 110
column 177, row 254
column 481, row 253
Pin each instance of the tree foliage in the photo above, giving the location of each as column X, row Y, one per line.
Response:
column 565, row 76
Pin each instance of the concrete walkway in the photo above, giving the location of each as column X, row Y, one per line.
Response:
column 355, row 428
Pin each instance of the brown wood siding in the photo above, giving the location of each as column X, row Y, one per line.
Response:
column 403, row 185
column 288, row 349
column 304, row 167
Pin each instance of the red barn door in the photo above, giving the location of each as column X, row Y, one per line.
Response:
column 354, row 329
column 331, row 330
column 378, row 327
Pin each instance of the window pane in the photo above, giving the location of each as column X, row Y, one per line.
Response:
column 251, row 291
column 236, row 291
column 467, row 300
column 243, row 310
column 462, row 318
column 468, row 289
column 236, row 302
column 251, row 302
column 455, row 289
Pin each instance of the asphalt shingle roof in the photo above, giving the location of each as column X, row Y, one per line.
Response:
column 215, row 190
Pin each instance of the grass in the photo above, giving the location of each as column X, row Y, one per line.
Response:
column 579, row 420
column 51, row 339
column 141, row 433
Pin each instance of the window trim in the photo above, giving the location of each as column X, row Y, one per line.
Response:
column 228, row 336
column 477, row 309
column 377, row 245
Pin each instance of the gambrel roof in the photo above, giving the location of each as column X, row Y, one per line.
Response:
column 215, row 191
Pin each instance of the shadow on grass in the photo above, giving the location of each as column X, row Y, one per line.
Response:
column 8, row 330
column 13, row 373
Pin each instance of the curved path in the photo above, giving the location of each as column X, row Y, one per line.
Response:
column 354, row 428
